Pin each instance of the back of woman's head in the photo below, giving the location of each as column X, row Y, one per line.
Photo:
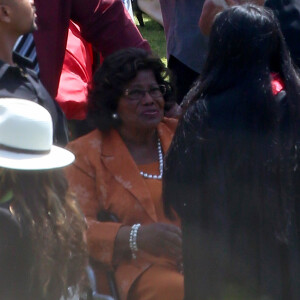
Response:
column 245, row 34
column 245, row 42
column 246, row 47
column 53, row 227
column 111, row 79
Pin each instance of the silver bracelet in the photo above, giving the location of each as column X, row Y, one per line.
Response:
column 132, row 240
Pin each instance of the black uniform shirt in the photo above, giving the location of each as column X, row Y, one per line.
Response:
column 20, row 82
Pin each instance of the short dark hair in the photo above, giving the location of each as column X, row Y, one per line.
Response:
column 110, row 79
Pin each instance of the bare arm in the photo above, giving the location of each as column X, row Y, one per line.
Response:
column 212, row 7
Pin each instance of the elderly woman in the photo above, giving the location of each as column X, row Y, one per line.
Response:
column 118, row 170
column 232, row 171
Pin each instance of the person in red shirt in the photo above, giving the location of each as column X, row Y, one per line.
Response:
column 105, row 24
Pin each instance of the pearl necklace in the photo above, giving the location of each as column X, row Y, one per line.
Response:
column 161, row 164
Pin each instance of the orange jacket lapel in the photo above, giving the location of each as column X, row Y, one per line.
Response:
column 119, row 162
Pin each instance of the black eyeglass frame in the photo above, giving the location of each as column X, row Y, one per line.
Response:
column 162, row 89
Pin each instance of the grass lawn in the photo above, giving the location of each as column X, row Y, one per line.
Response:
column 154, row 33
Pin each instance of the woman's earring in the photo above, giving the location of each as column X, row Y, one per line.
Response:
column 115, row 116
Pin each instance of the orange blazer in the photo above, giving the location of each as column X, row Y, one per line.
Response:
column 105, row 177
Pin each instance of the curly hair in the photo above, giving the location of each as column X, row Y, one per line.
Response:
column 54, row 227
column 111, row 78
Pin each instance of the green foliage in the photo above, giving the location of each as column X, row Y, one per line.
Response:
column 154, row 33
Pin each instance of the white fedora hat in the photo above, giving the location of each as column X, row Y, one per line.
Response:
column 26, row 137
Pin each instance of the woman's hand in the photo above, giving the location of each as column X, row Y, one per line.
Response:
column 161, row 239
column 158, row 239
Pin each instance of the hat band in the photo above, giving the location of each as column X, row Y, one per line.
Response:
column 25, row 151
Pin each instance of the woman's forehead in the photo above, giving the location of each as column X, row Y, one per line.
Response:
column 143, row 77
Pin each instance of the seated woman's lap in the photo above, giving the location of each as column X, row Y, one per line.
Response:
column 158, row 283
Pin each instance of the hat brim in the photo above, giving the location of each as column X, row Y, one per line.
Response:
column 56, row 158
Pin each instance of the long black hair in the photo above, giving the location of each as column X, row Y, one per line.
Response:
column 246, row 42
column 232, row 171
column 246, row 45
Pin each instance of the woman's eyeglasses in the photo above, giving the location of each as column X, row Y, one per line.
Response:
column 138, row 94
